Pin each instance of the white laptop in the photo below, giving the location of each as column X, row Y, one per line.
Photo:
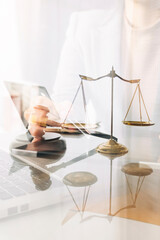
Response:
column 29, row 183
column 24, row 188
column 22, row 95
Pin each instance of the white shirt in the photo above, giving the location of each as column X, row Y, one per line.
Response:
column 96, row 41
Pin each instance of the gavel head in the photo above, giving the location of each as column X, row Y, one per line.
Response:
column 40, row 110
column 39, row 115
column 38, row 121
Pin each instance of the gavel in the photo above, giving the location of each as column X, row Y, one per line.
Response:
column 38, row 120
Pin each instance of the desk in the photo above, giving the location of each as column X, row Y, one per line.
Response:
column 103, row 209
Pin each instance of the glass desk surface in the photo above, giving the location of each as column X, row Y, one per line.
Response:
column 96, row 189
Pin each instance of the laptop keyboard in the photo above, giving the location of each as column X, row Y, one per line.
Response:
column 14, row 186
column 18, row 179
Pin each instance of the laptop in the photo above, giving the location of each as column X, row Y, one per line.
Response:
column 22, row 95
column 24, row 188
column 30, row 183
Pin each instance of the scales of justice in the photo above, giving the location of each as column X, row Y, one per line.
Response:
column 111, row 146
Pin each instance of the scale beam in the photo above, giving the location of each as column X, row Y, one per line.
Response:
column 112, row 74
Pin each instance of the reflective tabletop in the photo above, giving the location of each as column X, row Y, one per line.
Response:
column 91, row 189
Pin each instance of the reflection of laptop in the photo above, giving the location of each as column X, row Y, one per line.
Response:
column 24, row 188
column 22, row 95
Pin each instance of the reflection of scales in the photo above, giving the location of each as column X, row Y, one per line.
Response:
column 82, row 180
column 139, row 171
column 86, row 179
column 112, row 147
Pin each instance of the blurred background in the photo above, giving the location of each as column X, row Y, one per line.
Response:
column 32, row 35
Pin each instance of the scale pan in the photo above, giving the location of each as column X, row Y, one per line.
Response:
column 61, row 130
column 72, row 128
column 80, row 126
column 138, row 123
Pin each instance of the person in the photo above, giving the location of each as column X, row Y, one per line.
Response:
column 125, row 37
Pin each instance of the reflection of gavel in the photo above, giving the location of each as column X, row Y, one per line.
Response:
column 41, row 180
column 38, row 120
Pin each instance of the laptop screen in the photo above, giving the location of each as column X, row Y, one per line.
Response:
column 23, row 95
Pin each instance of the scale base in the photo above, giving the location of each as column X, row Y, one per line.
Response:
column 112, row 147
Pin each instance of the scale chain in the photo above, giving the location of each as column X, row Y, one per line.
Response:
column 145, row 106
column 139, row 103
column 131, row 102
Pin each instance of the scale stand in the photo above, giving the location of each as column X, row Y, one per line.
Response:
column 112, row 147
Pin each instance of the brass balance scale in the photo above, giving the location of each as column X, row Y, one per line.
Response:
column 111, row 146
